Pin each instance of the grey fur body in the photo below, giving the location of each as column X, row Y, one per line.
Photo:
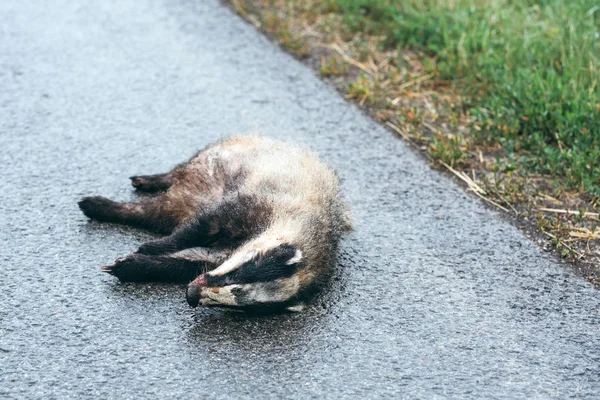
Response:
column 255, row 221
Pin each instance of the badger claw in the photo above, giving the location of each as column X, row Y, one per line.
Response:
column 107, row 269
column 127, row 269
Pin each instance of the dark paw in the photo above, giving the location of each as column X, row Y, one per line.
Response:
column 139, row 182
column 128, row 269
column 98, row 207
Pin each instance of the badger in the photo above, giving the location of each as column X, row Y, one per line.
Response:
column 251, row 222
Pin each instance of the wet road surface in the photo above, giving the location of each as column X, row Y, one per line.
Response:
column 435, row 296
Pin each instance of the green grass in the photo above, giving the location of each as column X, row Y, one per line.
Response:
column 530, row 71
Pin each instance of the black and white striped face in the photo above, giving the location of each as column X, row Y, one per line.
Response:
column 251, row 277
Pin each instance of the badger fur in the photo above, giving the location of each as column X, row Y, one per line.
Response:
column 251, row 222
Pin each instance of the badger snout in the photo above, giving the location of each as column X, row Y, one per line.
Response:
column 192, row 293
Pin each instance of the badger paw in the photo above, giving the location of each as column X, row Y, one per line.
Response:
column 128, row 269
column 98, row 208
column 140, row 183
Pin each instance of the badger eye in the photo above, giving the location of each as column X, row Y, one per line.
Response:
column 284, row 253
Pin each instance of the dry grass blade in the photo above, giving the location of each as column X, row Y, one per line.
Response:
column 407, row 84
column 415, row 81
column 430, row 127
column 585, row 214
column 470, row 182
column 585, row 234
column 473, row 186
column 373, row 66
column 350, row 60
column 552, row 199
column 399, row 131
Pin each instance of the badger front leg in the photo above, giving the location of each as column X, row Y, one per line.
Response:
column 224, row 224
column 179, row 267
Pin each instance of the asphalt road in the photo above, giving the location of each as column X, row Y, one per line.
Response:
column 435, row 296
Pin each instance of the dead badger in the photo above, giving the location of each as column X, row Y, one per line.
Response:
column 252, row 222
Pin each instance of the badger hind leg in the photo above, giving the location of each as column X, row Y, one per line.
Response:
column 152, row 183
column 153, row 215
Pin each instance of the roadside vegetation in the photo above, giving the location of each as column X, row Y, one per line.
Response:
column 504, row 94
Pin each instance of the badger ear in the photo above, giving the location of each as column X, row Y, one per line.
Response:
column 296, row 258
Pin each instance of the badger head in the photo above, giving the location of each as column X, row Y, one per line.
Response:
column 254, row 277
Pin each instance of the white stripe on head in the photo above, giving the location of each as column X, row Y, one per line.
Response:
column 245, row 254
column 235, row 261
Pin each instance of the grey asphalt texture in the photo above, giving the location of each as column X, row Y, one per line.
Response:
column 434, row 295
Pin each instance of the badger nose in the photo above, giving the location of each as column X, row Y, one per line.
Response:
column 192, row 293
